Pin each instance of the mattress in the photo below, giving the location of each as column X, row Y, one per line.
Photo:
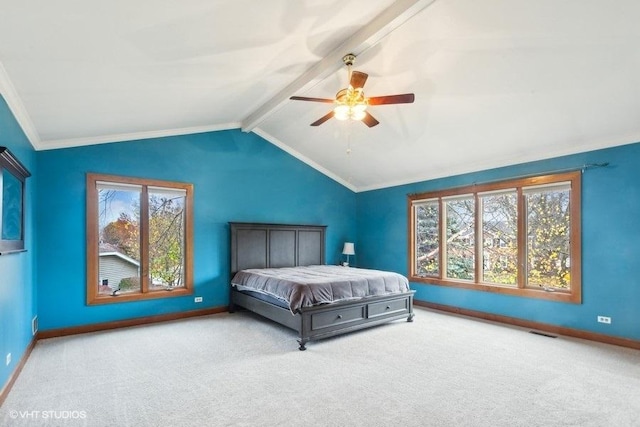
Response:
column 300, row 287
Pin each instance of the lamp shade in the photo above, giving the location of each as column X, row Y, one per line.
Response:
column 348, row 249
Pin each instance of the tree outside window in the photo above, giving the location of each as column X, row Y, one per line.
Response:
column 519, row 237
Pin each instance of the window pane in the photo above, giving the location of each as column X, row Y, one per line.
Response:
column 500, row 238
column 11, row 206
column 119, row 248
column 460, row 238
column 548, row 238
column 166, row 238
column 427, row 222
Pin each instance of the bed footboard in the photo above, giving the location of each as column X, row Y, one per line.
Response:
column 314, row 323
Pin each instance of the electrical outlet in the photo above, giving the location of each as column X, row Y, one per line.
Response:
column 197, row 299
column 604, row 319
column 8, row 358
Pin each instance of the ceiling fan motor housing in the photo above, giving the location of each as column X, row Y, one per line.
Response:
column 349, row 59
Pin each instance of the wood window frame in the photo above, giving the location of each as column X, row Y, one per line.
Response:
column 573, row 295
column 93, row 241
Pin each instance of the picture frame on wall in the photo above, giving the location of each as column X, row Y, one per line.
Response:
column 13, row 175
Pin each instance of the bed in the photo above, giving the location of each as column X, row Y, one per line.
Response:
column 259, row 250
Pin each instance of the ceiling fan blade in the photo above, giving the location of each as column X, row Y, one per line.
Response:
column 304, row 98
column 369, row 120
column 323, row 119
column 358, row 79
column 405, row 98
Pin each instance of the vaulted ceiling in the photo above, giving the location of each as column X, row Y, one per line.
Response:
column 497, row 82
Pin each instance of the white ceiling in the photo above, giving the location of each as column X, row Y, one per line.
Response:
column 497, row 82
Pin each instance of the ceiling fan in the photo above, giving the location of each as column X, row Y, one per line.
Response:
column 350, row 102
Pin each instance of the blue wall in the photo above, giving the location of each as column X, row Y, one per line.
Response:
column 236, row 177
column 610, row 248
column 241, row 177
column 17, row 276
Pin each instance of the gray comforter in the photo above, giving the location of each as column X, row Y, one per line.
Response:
column 317, row 284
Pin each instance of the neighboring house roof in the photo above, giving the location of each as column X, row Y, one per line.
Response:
column 106, row 249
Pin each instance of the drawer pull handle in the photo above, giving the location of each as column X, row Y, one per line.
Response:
column 388, row 307
column 339, row 316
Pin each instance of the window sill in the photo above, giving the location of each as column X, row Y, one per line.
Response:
column 111, row 299
column 557, row 295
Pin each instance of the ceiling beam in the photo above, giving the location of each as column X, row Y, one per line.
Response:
column 368, row 36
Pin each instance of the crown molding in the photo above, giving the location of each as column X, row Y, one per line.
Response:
column 275, row 141
column 496, row 163
column 133, row 136
column 10, row 95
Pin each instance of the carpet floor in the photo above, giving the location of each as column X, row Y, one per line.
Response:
column 240, row 370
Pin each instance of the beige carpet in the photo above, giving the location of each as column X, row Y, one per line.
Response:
column 237, row 370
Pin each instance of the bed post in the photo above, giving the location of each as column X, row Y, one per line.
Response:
column 411, row 314
column 232, row 304
column 305, row 329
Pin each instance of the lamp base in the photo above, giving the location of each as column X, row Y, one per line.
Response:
column 345, row 264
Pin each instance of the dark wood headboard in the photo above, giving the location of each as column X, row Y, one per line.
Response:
column 257, row 245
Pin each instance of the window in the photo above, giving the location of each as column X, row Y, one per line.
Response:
column 12, row 180
column 519, row 237
column 139, row 239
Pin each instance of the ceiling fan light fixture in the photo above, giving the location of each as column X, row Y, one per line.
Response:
column 351, row 103
column 360, row 107
column 341, row 112
column 359, row 111
column 345, row 111
column 358, row 114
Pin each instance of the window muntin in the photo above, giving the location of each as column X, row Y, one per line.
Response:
column 522, row 236
column 139, row 235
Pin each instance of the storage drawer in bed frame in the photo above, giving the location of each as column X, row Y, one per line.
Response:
column 360, row 312
column 328, row 320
